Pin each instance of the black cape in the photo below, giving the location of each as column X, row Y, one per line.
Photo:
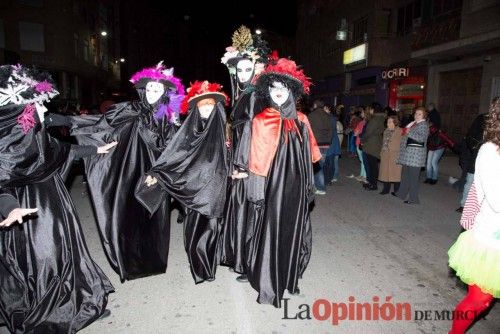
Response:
column 194, row 170
column 279, row 237
column 194, row 167
column 135, row 242
column 234, row 228
column 48, row 281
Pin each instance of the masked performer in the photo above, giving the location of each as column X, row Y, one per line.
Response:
column 280, row 185
column 135, row 242
column 194, row 170
column 48, row 281
column 244, row 59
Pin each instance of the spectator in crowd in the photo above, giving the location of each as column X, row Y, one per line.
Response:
column 434, row 117
column 475, row 256
column 473, row 141
column 358, row 129
column 390, row 171
column 321, row 124
column 412, row 155
column 436, row 144
column 372, row 143
column 349, row 130
column 331, row 167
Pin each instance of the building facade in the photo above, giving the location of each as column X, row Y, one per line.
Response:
column 414, row 52
column 460, row 40
column 356, row 53
column 77, row 41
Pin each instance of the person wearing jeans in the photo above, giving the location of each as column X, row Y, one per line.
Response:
column 432, row 168
column 331, row 170
column 321, row 124
column 319, row 176
column 436, row 143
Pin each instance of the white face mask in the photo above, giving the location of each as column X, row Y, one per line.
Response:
column 154, row 90
column 40, row 110
column 279, row 93
column 244, row 70
column 206, row 110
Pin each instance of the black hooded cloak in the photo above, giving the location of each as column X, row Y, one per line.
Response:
column 136, row 243
column 48, row 281
column 194, row 170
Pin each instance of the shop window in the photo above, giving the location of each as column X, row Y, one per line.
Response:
column 366, row 81
column 31, row 36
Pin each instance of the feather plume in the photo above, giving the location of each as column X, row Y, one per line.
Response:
column 242, row 39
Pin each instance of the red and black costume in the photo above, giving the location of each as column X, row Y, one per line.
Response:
column 280, row 188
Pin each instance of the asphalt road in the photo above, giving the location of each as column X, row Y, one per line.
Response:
column 365, row 246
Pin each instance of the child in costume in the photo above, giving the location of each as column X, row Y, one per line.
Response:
column 475, row 256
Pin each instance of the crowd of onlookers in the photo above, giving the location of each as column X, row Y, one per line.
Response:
column 392, row 147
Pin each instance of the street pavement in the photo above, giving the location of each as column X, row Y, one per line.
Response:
column 365, row 246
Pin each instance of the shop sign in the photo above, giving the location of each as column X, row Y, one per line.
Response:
column 355, row 54
column 399, row 72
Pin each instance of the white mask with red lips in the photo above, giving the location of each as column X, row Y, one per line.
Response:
column 279, row 93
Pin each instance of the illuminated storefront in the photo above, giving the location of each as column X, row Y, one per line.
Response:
column 406, row 87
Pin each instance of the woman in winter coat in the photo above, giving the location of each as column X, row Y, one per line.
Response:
column 412, row 156
column 390, row 171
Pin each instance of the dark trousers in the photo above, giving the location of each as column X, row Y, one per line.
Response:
column 372, row 171
column 387, row 187
column 410, row 182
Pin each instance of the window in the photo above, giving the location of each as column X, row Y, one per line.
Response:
column 409, row 17
column 2, row 35
column 442, row 7
column 360, row 30
column 34, row 3
column 86, row 50
column 31, row 36
column 76, row 45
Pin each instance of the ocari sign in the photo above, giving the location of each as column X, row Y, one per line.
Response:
column 396, row 73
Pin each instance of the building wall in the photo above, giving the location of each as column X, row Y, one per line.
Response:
column 479, row 16
column 490, row 70
column 69, row 44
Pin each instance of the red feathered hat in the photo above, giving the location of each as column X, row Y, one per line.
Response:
column 289, row 69
column 200, row 90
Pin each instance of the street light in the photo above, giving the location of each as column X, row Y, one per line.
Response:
column 104, row 33
column 258, row 31
column 122, row 60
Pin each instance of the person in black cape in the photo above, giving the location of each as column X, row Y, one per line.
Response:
column 280, row 186
column 48, row 281
column 194, row 170
column 244, row 60
column 136, row 243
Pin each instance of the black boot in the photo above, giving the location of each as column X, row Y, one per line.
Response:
column 105, row 314
column 242, row 278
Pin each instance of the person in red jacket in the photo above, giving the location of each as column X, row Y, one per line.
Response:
column 436, row 143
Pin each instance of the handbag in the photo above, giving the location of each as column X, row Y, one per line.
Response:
column 410, row 142
column 471, row 208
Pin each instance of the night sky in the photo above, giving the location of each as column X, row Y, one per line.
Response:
column 192, row 36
